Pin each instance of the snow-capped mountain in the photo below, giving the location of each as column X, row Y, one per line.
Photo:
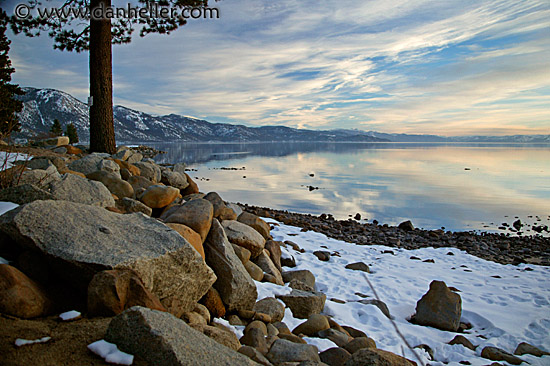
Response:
column 42, row 106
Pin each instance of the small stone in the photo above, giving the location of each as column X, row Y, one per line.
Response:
column 254, row 271
column 302, row 275
column 527, row 349
column 359, row 343
column 214, row 303
column 359, row 266
column 303, row 304
column 406, row 226
column 322, row 255
column 377, row 357
column 337, row 337
column 497, row 354
column 459, row 339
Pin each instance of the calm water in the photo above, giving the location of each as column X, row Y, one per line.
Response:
column 459, row 187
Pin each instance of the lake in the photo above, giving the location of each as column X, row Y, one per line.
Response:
column 460, row 187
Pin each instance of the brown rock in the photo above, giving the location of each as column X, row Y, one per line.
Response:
column 254, row 271
column 125, row 165
column 214, row 303
column 112, row 291
column 130, row 205
column 138, row 182
column 256, row 223
column 193, row 318
column 254, row 355
column 262, row 317
column 20, row 296
column 72, row 150
column 190, row 235
column 114, row 184
column 272, row 307
column 192, row 188
column 439, row 307
column 303, row 304
column 68, row 171
column 292, row 337
column 377, row 357
column 337, row 337
column 355, row 333
column 497, row 354
column 335, row 356
column 266, row 264
column 312, row 325
column 242, row 253
column 244, row 236
column 224, row 337
column 158, row 196
column 254, row 337
column 459, row 339
column 227, row 213
column 359, row 343
column 274, row 249
column 527, row 349
column 197, row 214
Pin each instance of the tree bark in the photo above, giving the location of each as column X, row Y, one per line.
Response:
column 102, row 131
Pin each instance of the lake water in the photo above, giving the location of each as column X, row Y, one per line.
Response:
column 456, row 186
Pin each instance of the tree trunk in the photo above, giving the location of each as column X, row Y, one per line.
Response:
column 102, row 131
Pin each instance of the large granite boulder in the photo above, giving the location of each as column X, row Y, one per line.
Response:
column 234, row 284
column 88, row 164
column 81, row 190
column 174, row 179
column 244, row 236
column 272, row 307
column 439, row 308
column 197, row 214
column 80, row 240
column 24, row 193
column 164, row 340
column 149, row 171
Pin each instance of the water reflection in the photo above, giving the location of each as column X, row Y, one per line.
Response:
column 460, row 187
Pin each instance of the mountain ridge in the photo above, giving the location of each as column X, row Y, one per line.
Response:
column 42, row 106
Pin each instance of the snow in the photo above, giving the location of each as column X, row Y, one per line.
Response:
column 506, row 311
column 69, row 315
column 110, row 353
column 7, row 159
column 23, row 342
column 7, row 206
column 237, row 329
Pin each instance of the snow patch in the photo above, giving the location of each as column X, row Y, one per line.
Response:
column 69, row 315
column 24, row 342
column 110, row 353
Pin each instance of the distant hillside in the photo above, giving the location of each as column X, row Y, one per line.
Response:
column 42, row 106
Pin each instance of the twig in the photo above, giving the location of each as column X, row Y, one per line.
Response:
column 395, row 325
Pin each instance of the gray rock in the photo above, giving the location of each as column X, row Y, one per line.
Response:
column 439, row 307
column 39, row 163
column 244, row 236
column 255, row 338
column 303, row 304
column 236, row 287
column 174, row 179
column 359, row 266
column 114, row 183
column 39, row 177
column 76, row 189
column 299, row 285
column 149, row 171
column 130, row 205
column 24, row 194
column 286, row 351
column 254, row 355
column 179, row 168
column 135, row 157
column 123, row 154
column 272, row 307
column 302, row 275
column 164, row 340
column 86, row 165
column 264, row 262
column 109, row 166
column 236, row 208
column 80, row 240
column 53, row 141
column 220, row 334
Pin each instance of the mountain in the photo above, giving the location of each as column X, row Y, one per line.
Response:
column 42, row 106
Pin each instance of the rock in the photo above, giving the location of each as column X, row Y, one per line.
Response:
column 254, row 337
column 216, row 202
column 274, row 249
column 193, row 318
column 292, row 338
column 174, row 179
column 286, row 351
column 138, row 183
column 60, row 150
column 379, row 304
column 234, row 284
column 459, row 339
column 287, row 260
column 123, row 154
column 497, row 354
column 256, row 223
column 337, row 337
column 81, row 190
column 129, row 205
column 439, row 307
column 223, row 337
column 254, row 271
column 517, row 225
column 359, row 343
column 242, row 253
column 73, row 150
column 271, row 279
column 315, row 323
column 272, row 307
column 254, row 355
column 235, row 208
column 114, row 184
column 406, row 226
column 134, row 170
column 303, row 304
column 164, row 340
column 264, row 262
column 299, row 285
column 197, row 214
column 359, row 266
column 355, row 333
column 527, row 349
column 109, row 166
column 24, row 194
column 302, row 275
column 272, row 330
column 335, row 356
column 157, row 196
column 53, row 141
column 134, row 158
column 322, row 255
column 256, row 324
column 39, row 163
column 282, row 328
column 192, row 188
column 113, row 291
column 190, row 235
column 213, row 302
column 244, row 236
column 227, row 214
column 202, row 311
column 20, row 296
column 377, row 357
column 149, row 171
column 86, row 165
column 234, row 319
column 99, row 240
column 38, row 177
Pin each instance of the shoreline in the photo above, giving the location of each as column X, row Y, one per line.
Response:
column 498, row 248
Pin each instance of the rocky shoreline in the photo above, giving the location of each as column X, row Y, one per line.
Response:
column 494, row 247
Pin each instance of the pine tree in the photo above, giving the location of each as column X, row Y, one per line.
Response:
column 97, row 36
column 56, row 129
column 71, row 133
column 9, row 106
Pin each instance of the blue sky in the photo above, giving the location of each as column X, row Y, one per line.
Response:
column 443, row 67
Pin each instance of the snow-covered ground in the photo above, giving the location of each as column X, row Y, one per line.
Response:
column 7, row 159
column 506, row 304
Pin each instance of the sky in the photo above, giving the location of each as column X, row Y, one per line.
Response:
column 469, row 67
